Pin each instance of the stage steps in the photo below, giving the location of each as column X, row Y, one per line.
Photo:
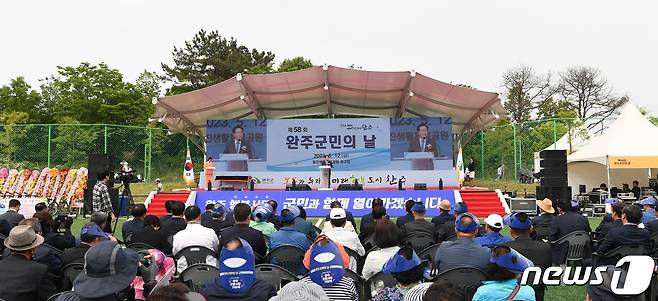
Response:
column 156, row 207
column 482, row 203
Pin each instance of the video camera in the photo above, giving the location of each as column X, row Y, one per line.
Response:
column 127, row 175
column 63, row 223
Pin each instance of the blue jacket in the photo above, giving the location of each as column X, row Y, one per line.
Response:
column 648, row 216
column 461, row 252
column 131, row 226
column 288, row 236
column 305, row 227
column 492, row 239
column 400, row 221
column 500, row 290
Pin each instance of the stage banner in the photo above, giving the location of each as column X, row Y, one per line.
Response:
column 317, row 203
column 627, row 162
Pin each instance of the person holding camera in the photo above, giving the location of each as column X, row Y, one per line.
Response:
column 57, row 233
column 101, row 200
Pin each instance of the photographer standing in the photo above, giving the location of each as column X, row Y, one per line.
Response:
column 101, row 199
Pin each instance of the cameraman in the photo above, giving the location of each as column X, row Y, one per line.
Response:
column 101, row 199
column 56, row 233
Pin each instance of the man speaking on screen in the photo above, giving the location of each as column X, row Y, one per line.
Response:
column 238, row 145
column 422, row 142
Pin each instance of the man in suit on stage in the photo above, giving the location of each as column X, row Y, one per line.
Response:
column 423, row 143
column 238, row 145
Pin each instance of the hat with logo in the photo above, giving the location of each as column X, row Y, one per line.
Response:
column 466, row 228
column 219, row 209
column 326, row 264
column 515, row 223
column 398, row 263
column 546, row 205
column 337, row 213
column 510, row 259
column 262, row 213
column 418, row 207
column 22, row 238
column 291, row 213
column 494, row 220
column 236, row 268
column 297, row 291
column 93, row 229
column 108, row 269
column 445, row 205
column 461, row 207
column 648, row 201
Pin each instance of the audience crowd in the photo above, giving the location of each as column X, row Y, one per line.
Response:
column 381, row 259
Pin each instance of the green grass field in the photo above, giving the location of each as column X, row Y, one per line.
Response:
column 562, row 293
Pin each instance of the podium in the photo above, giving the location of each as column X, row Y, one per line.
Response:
column 235, row 162
column 325, row 177
column 420, row 160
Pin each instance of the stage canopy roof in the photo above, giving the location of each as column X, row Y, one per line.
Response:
column 329, row 91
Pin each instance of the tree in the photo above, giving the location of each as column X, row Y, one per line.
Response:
column 19, row 96
column 11, row 132
column 294, row 64
column 98, row 94
column 149, row 84
column 524, row 89
column 586, row 91
column 210, row 58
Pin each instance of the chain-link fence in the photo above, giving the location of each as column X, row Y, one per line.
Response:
column 153, row 152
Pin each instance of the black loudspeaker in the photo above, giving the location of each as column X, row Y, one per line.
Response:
column 553, row 181
column 420, row 186
column 553, row 163
column 554, row 193
column 98, row 163
column 553, row 173
column 553, row 154
column 349, row 187
column 226, row 188
column 303, row 187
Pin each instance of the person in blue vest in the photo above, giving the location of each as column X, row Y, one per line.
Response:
column 493, row 225
column 287, row 234
column 504, row 266
column 648, row 204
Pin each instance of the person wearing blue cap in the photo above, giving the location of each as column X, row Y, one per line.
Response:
column 207, row 214
column 407, row 269
column 648, row 204
column 400, row 221
column 616, row 208
column 493, row 225
column 287, row 234
column 237, row 278
column 538, row 252
column 90, row 234
column 260, row 219
column 418, row 225
column 326, row 264
column 447, row 230
column 218, row 221
column 274, row 219
column 628, row 234
column 564, row 223
column 505, row 264
column 463, row 251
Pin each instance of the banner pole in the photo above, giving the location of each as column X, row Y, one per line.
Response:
column 607, row 167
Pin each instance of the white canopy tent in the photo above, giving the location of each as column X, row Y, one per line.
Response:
column 570, row 141
column 328, row 91
column 626, row 151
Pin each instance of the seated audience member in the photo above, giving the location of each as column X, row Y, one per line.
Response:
column 241, row 229
column 11, row 215
column 164, row 266
column 90, row 234
column 206, row 216
column 492, row 238
column 347, row 238
column 617, row 209
column 648, row 204
column 368, row 218
column 447, row 231
column 387, row 240
column 177, row 222
column 152, row 235
column 304, row 226
column 463, row 251
column 218, row 222
column 575, row 206
column 274, row 219
column 350, row 218
column 167, row 206
column 108, row 274
column 608, row 210
column 326, row 262
column 378, row 213
column 287, row 234
column 5, row 227
column 564, row 223
column 546, row 212
column 444, row 214
column 400, row 221
column 407, row 269
column 175, row 292
column 42, row 254
column 99, row 218
column 626, row 235
column 538, row 252
column 194, row 235
column 261, row 216
column 237, row 279
column 21, row 278
column 301, row 292
column 505, row 265
column 137, row 223
column 41, row 206
column 418, row 225
column 439, row 290
column 60, row 239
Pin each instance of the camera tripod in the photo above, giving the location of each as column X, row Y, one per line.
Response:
column 125, row 193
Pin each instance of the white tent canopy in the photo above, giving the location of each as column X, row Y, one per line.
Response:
column 328, row 90
column 629, row 136
column 579, row 137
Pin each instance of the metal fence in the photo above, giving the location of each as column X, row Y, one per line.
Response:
column 151, row 151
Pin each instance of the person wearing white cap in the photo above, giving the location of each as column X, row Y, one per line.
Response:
column 494, row 223
column 338, row 233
